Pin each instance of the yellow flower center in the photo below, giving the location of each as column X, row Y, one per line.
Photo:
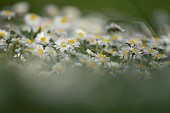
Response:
column 143, row 45
column 29, row 41
column 159, row 55
column 80, row 34
column 71, row 41
column 125, row 52
column 7, row 12
column 2, row 34
column 43, row 39
column 105, row 40
column 90, row 40
column 115, row 37
column 150, row 51
column 40, row 52
column 84, row 61
column 63, row 44
column 103, row 60
column 110, row 51
column 97, row 36
column 93, row 64
column 31, row 49
column 101, row 56
column 63, row 20
column 156, row 38
column 155, row 45
column 33, row 16
column 132, row 42
column 60, row 30
column 134, row 50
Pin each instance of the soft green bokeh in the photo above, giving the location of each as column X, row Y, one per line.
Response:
column 128, row 7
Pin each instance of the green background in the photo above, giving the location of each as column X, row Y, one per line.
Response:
column 126, row 7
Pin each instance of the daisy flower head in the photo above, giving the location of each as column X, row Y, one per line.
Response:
column 131, row 42
column 124, row 54
column 105, row 40
column 38, row 50
column 113, row 65
column 7, row 14
column 71, row 12
column 116, row 38
column 43, row 38
column 63, row 45
column 160, row 56
column 92, row 40
column 84, row 59
column 73, row 42
column 32, row 19
column 21, row 7
column 61, row 22
column 80, row 33
column 4, row 34
column 61, row 32
column 51, row 10
column 101, row 58
column 151, row 51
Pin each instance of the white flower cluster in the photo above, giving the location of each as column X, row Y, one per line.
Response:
column 65, row 38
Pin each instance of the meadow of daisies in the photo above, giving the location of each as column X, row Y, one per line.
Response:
column 67, row 61
column 62, row 40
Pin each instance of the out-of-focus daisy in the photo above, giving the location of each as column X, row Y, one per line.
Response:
column 124, row 54
column 43, row 38
column 160, row 56
column 89, row 52
column 113, row 65
column 38, row 50
column 32, row 19
column 73, row 42
column 21, row 7
column 80, row 33
column 7, row 14
column 60, row 22
column 71, row 12
column 51, row 10
column 101, row 58
column 62, row 45
column 4, row 34
column 131, row 42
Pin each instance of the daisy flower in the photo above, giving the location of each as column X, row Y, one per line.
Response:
column 7, row 14
column 51, row 10
column 159, row 56
column 73, row 42
column 60, row 22
column 101, row 58
column 43, row 38
column 113, row 65
column 4, row 34
column 80, row 33
column 21, row 7
column 62, row 45
column 38, row 50
column 32, row 19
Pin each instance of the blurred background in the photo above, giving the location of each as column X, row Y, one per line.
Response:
column 134, row 8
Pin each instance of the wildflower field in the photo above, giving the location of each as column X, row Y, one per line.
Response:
column 63, row 60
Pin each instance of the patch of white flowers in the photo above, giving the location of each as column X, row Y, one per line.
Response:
column 67, row 39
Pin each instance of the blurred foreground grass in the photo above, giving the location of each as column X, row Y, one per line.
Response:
column 78, row 92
